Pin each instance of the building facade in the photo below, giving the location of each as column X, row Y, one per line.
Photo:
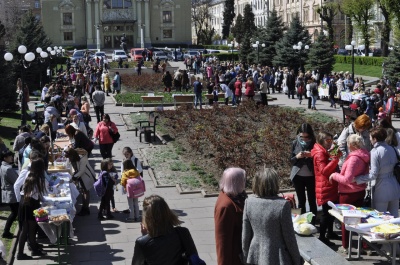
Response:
column 144, row 22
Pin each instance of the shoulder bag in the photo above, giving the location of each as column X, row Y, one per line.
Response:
column 396, row 169
column 186, row 241
column 114, row 136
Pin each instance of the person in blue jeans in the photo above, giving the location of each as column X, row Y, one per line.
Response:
column 198, row 88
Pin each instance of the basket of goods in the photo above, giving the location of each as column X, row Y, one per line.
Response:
column 59, row 215
column 386, row 231
column 60, row 163
column 41, row 215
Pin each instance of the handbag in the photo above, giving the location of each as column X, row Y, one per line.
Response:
column 114, row 136
column 291, row 199
column 396, row 169
column 187, row 241
column 367, row 200
column 115, row 83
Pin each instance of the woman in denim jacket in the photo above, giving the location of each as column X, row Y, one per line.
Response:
column 385, row 188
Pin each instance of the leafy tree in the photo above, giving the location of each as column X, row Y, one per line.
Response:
column 245, row 52
column 248, row 19
column 229, row 15
column 388, row 12
column 273, row 32
column 320, row 56
column 285, row 54
column 327, row 13
column 238, row 29
column 201, row 20
column 392, row 65
column 30, row 33
column 361, row 13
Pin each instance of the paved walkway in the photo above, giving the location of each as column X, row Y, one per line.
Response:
column 112, row 241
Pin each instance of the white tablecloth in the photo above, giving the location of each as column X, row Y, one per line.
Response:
column 348, row 96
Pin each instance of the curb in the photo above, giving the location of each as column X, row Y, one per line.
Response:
column 13, row 249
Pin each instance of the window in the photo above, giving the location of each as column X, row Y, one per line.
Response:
column 167, row 33
column 167, row 17
column 37, row 4
column 117, row 4
column 67, row 18
column 67, row 36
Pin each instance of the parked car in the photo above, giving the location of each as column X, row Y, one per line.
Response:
column 342, row 52
column 136, row 54
column 191, row 54
column 79, row 54
column 119, row 54
column 179, row 56
column 100, row 54
column 212, row 51
column 161, row 55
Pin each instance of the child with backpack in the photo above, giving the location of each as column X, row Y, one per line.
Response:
column 104, row 187
column 133, row 184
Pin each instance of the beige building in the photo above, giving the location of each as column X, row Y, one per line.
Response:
column 144, row 22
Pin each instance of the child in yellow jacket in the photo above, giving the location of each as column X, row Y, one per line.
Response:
column 133, row 185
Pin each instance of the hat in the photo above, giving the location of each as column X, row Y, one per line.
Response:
column 73, row 112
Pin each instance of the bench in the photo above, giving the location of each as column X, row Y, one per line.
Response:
column 148, row 126
column 211, row 96
column 152, row 99
column 349, row 115
column 313, row 251
column 183, row 98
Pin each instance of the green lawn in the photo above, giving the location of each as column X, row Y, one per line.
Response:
column 9, row 127
column 136, row 97
column 366, row 70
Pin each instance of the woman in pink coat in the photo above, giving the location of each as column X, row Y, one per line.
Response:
column 356, row 163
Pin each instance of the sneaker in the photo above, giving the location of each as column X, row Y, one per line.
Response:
column 343, row 250
column 126, row 211
column 23, row 256
column 137, row 219
column 130, row 219
column 110, row 216
column 101, row 217
column 7, row 235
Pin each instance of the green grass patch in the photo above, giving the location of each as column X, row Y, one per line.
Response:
column 136, row 97
column 366, row 70
column 140, row 116
column 191, row 181
column 9, row 126
column 7, row 242
column 178, row 166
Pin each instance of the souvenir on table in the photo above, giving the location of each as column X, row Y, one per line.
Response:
column 41, row 215
column 386, row 231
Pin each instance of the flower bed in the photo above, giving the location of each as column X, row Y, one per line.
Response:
column 247, row 136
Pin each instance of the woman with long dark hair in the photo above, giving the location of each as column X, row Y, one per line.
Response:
column 103, row 134
column 34, row 188
column 302, row 174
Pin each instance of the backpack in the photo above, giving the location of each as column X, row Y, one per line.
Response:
column 99, row 186
column 363, row 103
column 135, row 187
column 314, row 89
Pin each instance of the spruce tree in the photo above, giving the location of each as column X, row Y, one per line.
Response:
column 392, row 65
column 229, row 15
column 238, row 29
column 274, row 29
column 31, row 34
column 286, row 56
column 320, row 56
column 8, row 99
column 249, row 28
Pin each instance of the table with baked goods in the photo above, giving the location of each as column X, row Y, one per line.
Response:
column 60, row 203
column 374, row 227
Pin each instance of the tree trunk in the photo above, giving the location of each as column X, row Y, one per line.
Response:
column 385, row 31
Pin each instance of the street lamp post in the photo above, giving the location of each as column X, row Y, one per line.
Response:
column 232, row 45
column 257, row 45
column 25, row 62
column 350, row 47
column 43, row 55
column 299, row 47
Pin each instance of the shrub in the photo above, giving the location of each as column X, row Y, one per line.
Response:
column 144, row 82
column 360, row 60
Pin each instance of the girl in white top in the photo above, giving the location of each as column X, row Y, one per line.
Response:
column 79, row 125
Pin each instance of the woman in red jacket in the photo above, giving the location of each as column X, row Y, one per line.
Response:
column 250, row 86
column 103, row 134
column 324, row 165
column 238, row 89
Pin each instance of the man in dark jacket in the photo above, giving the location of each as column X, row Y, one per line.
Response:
column 291, row 83
column 198, row 89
